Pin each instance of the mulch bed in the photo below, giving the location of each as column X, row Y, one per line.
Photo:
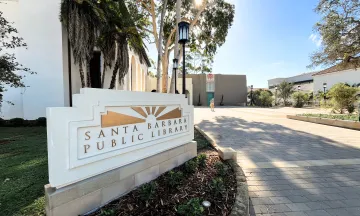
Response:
column 167, row 199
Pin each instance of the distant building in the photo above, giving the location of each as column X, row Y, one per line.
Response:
column 336, row 74
column 305, row 80
column 232, row 88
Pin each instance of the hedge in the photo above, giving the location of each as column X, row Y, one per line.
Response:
column 20, row 122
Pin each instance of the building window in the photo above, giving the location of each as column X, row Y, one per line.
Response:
column 210, row 87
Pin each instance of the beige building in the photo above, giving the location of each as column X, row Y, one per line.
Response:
column 230, row 90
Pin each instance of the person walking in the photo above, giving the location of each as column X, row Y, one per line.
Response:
column 212, row 105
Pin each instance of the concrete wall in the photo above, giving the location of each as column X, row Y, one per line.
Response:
column 347, row 76
column 199, row 88
column 151, row 85
column 233, row 87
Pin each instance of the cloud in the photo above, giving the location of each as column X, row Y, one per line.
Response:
column 316, row 39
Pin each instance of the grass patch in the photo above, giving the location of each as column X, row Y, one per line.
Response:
column 348, row 117
column 23, row 170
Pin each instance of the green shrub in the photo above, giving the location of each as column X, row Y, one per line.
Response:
column 265, row 99
column 41, row 121
column 299, row 99
column 148, row 190
column 191, row 166
column 2, row 122
column 343, row 96
column 217, row 186
column 350, row 108
column 174, row 178
column 201, row 160
column 221, row 168
column 261, row 97
column 192, row 208
column 107, row 212
column 16, row 122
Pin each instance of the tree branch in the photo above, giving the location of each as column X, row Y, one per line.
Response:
column 153, row 17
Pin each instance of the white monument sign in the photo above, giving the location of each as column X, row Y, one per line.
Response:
column 107, row 129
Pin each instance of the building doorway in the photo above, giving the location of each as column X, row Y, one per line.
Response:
column 95, row 70
column 210, row 95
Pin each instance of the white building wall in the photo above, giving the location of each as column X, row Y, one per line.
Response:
column 347, row 76
column 47, row 55
column 41, row 30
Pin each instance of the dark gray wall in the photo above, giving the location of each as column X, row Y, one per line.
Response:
column 233, row 87
column 199, row 87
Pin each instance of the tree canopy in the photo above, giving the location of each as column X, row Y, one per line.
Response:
column 10, row 68
column 209, row 25
column 339, row 29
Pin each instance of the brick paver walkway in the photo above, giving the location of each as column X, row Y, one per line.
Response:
column 292, row 167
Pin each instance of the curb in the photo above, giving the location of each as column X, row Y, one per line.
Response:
column 241, row 205
column 325, row 121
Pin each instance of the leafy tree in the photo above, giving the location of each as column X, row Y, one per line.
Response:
column 343, row 96
column 209, row 25
column 285, row 90
column 198, row 63
column 339, row 29
column 9, row 66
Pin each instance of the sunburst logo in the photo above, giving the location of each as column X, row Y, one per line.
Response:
column 113, row 119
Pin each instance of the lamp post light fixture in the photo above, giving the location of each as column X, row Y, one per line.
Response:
column 183, row 39
column 251, row 95
column 175, row 67
column 324, row 86
column 276, row 88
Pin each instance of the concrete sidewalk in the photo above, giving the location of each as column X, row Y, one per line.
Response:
column 292, row 167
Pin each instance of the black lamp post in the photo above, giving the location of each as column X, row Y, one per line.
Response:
column 276, row 88
column 175, row 67
column 183, row 39
column 251, row 95
column 324, row 86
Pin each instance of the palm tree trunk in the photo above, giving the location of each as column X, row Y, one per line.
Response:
column 103, row 76
column 113, row 78
column 88, row 77
column 82, row 78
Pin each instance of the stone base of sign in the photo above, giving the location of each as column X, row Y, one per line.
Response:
column 90, row 194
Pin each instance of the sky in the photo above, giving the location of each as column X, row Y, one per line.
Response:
column 268, row 39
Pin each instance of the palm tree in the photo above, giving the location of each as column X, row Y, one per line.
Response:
column 125, row 33
column 106, row 24
column 82, row 19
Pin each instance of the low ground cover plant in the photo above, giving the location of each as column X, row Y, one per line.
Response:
column 348, row 117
